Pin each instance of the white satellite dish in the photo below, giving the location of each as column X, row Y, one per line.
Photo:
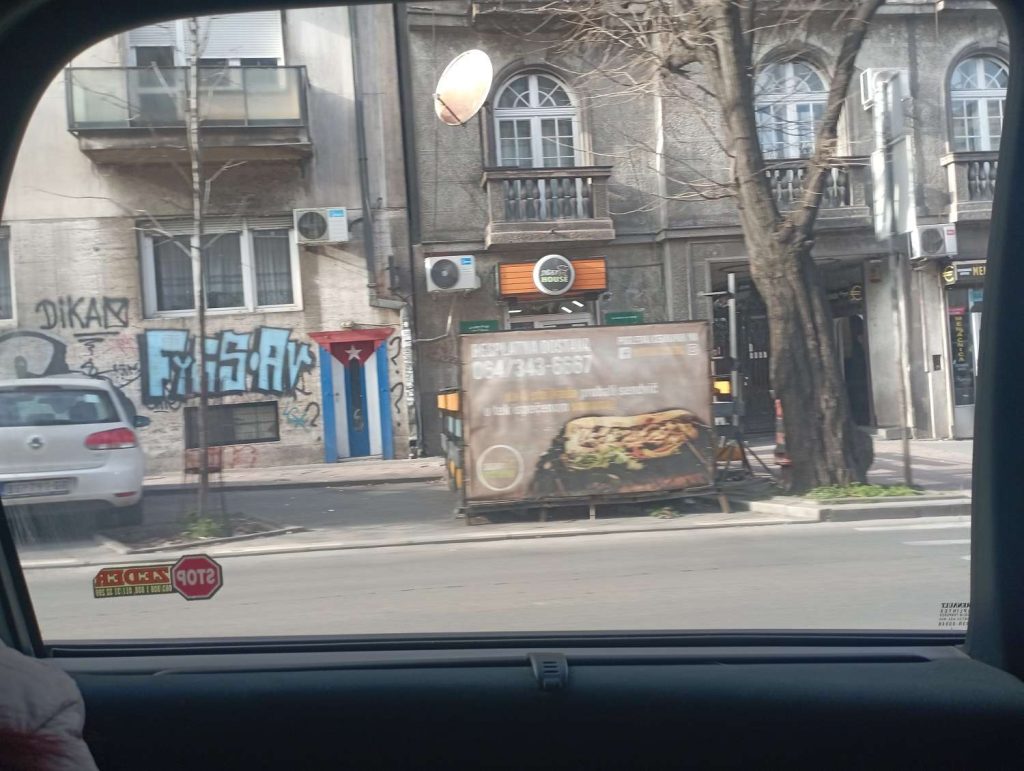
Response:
column 463, row 87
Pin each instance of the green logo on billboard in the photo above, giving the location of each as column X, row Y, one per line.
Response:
column 499, row 468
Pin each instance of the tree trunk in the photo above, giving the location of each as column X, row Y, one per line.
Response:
column 822, row 441
column 192, row 118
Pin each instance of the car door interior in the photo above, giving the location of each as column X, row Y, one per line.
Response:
column 575, row 700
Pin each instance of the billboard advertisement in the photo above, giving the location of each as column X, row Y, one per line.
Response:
column 586, row 412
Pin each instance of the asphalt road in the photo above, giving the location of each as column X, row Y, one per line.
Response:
column 872, row 575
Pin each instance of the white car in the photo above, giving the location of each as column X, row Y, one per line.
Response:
column 68, row 442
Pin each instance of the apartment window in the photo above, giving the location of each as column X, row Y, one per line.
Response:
column 234, row 424
column 790, row 102
column 231, row 39
column 536, row 123
column 6, row 278
column 977, row 92
column 246, row 268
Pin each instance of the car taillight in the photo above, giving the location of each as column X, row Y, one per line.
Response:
column 114, row 439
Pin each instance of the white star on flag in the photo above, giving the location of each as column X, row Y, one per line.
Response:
column 353, row 353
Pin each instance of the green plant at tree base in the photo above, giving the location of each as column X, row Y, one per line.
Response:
column 857, row 490
column 202, row 527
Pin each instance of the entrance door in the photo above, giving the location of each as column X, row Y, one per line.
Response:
column 359, row 381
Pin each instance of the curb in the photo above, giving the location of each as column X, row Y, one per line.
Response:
column 849, row 511
column 174, row 487
column 121, row 548
column 437, row 540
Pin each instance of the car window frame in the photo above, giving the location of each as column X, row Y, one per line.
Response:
column 37, row 49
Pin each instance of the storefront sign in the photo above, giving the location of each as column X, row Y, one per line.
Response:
column 553, row 275
column 622, row 318
column 962, row 272
column 586, row 412
column 963, row 356
column 515, row 279
column 474, row 327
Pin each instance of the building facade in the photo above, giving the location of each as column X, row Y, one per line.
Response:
column 305, row 348
column 562, row 161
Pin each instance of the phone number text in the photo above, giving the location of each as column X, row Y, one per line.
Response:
column 536, row 366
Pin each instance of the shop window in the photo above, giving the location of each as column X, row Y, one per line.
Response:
column 6, row 278
column 234, row 424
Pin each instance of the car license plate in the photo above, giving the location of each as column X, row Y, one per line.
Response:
column 33, row 487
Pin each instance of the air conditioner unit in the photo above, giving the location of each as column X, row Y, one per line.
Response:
column 321, row 226
column 452, row 274
column 929, row 242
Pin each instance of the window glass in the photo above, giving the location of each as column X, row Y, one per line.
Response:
column 615, row 283
column 223, row 265
column 43, row 406
column 173, row 265
column 977, row 93
column 536, row 122
column 235, row 424
column 272, row 258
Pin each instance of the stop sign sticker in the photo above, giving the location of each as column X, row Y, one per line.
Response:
column 196, row 577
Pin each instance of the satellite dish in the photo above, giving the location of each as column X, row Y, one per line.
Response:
column 463, row 87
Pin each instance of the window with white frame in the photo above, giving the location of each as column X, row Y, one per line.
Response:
column 536, row 123
column 790, row 102
column 247, row 266
column 977, row 94
column 6, row 277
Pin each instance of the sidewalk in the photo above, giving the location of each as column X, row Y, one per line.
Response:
column 344, row 473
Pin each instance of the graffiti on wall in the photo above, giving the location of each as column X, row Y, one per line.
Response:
column 308, row 417
column 30, row 353
column 88, row 313
column 266, row 361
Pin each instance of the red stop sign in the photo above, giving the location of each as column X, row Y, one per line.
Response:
column 196, row 577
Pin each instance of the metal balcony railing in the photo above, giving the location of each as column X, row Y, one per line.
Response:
column 112, row 98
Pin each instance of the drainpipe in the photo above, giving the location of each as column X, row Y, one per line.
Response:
column 403, row 57
column 406, row 309
column 369, row 227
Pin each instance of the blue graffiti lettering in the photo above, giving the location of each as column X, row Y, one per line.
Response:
column 267, row 361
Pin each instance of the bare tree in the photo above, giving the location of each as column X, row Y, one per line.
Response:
column 704, row 53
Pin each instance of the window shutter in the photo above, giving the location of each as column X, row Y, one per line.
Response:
column 243, row 35
column 163, row 34
column 214, row 224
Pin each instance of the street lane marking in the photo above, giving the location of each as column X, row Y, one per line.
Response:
column 966, row 557
column 921, row 526
column 945, row 542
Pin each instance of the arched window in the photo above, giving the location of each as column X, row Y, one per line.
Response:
column 536, row 123
column 790, row 101
column 977, row 93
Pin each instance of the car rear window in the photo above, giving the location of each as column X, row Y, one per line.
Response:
column 49, row 406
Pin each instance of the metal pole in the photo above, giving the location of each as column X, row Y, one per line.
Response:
column 734, row 353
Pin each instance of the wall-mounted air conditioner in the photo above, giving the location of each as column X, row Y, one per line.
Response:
column 321, row 226
column 929, row 242
column 452, row 274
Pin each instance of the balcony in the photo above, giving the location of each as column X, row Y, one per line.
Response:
column 532, row 206
column 972, row 183
column 845, row 198
column 137, row 114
